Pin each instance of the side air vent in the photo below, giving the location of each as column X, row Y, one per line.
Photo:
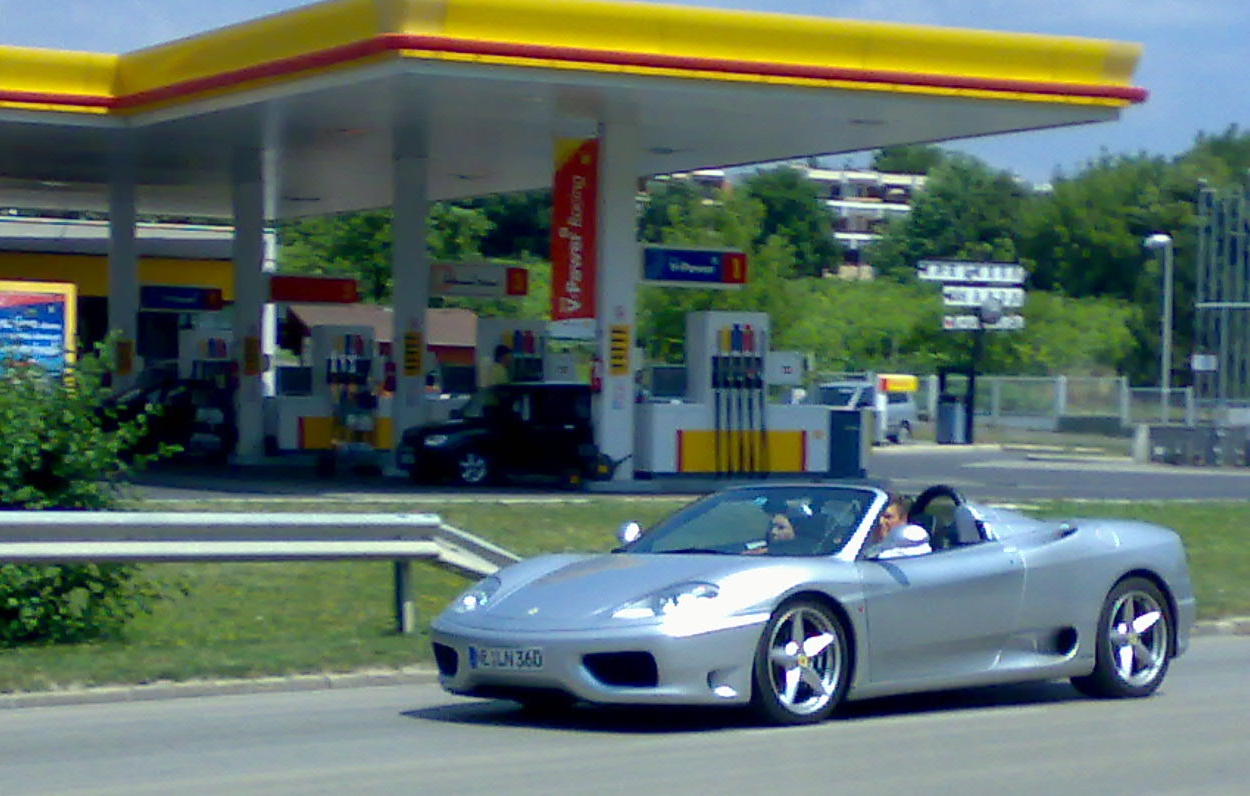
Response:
column 1065, row 641
column 447, row 660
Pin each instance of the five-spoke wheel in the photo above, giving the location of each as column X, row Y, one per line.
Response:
column 1134, row 642
column 801, row 665
column 472, row 468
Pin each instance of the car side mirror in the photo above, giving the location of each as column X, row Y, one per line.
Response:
column 629, row 532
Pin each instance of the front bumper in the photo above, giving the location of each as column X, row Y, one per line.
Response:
column 702, row 669
column 427, row 463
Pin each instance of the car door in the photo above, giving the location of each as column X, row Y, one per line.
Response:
column 506, row 440
column 942, row 614
column 560, row 426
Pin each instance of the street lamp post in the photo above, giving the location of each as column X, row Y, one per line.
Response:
column 1163, row 241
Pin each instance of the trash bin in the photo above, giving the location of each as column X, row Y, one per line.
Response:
column 850, row 439
column 951, row 421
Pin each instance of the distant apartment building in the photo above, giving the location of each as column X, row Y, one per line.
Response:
column 710, row 182
column 864, row 203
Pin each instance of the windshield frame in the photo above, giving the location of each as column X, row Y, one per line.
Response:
column 874, row 500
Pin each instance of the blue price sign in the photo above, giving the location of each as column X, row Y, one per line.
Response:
column 701, row 267
column 179, row 298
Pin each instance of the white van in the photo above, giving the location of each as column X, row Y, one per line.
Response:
column 893, row 396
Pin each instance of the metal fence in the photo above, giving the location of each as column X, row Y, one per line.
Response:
column 1053, row 403
column 1222, row 297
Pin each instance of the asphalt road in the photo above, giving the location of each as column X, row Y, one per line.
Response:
column 988, row 473
column 1190, row 739
column 982, row 472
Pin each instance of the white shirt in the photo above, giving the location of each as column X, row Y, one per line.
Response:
column 905, row 540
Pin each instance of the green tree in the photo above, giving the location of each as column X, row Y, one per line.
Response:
column 908, row 159
column 1084, row 239
column 966, row 211
column 1220, row 159
column 359, row 244
column 519, row 224
column 794, row 210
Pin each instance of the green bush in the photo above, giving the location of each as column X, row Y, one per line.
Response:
column 61, row 447
column 69, row 603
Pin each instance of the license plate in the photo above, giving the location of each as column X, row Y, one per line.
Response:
column 523, row 659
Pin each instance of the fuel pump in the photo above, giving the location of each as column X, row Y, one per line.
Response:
column 345, row 366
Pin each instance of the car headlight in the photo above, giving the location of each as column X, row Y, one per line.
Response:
column 436, row 440
column 476, row 596
column 666, row 602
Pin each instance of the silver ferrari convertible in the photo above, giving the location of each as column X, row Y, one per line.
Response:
column 713, row 606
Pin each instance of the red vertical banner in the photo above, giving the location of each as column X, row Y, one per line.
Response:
column 574, row 206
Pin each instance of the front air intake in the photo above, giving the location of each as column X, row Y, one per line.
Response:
column 623, row 669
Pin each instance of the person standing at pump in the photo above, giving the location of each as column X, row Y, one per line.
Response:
column 500, row 370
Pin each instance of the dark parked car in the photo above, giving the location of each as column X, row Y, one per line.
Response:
column 508, row 431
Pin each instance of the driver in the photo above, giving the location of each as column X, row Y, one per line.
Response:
column 894, row 536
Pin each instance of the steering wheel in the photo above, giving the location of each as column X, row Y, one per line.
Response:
column 922, row 501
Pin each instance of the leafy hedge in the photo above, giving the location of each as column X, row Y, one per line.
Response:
column 62, row 447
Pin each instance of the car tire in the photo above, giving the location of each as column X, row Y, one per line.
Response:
column 572, row 480
column 473, row 468
column 1133, row 642
column 802, row 664
column 326, row 465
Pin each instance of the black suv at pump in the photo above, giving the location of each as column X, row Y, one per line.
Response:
column 515, row 430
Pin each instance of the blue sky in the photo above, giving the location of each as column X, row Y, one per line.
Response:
column 1196, row 54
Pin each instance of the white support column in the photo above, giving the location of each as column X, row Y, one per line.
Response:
column 616, row 288
column 123, row 267
column 271, row 177
column 410, row 207
column 250, row 294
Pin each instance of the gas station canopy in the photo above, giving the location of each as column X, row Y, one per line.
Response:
column 324, row 90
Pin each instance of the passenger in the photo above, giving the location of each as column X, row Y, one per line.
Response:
column 894, row 536
column 781, row 538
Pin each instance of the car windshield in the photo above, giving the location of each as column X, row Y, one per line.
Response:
column 838, row 396
column 773, row 520
column 475, row 408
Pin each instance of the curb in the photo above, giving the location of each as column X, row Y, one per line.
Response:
column 200, row 688
column 1234, row 626
column 1079, row 457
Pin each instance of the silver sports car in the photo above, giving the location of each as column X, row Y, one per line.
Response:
column 714, row 605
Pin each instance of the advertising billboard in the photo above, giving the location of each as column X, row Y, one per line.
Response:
column 38, row 323
column 573, row 218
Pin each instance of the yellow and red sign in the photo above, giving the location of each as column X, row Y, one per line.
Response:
column 575, row 192
column 897, row 382
column 313, row 289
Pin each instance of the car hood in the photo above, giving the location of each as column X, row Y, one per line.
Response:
column 568, row 592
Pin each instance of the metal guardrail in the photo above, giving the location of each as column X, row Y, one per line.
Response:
column 79, row 536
